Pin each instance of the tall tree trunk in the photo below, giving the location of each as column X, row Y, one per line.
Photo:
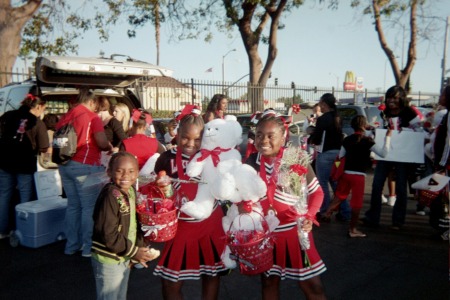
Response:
column 157, row 28
column 12, row 21
column 259, row 74
column 401, row 75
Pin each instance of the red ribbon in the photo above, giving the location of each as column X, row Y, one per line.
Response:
column 246, row 205
column 254, row 117
column 213, row 153
column 299, row 169
column 189, row 109
column 136, row 115
column 250, row 149
column 295, row 108
column 426, row 124
column 271, row 182
column 292, row 215
column 31, row 96
column 187, row 189
column 381, row 107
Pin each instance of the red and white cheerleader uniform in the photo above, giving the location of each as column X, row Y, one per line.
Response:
column 290, row 260
column 197, row 246
column 141, row 146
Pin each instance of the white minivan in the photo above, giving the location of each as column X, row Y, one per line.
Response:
column 58, row 79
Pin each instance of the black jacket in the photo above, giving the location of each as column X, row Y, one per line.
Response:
column 326, row 123
column 111, row 225
column 22, row 137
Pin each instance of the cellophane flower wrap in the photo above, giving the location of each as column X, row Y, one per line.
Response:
column 292, row 180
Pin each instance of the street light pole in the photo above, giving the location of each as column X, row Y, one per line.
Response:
column 337, row 85
column 223, row 68
column 444, row 57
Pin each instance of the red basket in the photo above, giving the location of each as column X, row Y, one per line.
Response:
column 158, row 227
column 256, row 256
column 427, row 197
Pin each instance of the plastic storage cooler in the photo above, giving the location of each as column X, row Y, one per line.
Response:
column 41, row 222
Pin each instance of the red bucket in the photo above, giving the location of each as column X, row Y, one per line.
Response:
column 427, row 197
column 158, row 227
column 254, row 252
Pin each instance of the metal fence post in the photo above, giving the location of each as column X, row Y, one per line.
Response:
column 192, row 91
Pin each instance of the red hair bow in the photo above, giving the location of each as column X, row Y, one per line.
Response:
column 255, row 117
column 382, row 107
column 31, row 96
column 189, row 109
column 136, row 115
column 270, row 112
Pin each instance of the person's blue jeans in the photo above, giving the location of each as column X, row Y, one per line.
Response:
column 8, row 182
column 324, row 163
column 111, row 280
column 401, row 185
column 80, row 205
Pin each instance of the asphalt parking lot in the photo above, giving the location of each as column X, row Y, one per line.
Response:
column 411, row 263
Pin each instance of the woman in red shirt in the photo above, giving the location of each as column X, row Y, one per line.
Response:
column 91, row 140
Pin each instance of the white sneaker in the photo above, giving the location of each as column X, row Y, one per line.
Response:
column 384, row 200
column 391, row 200
column 420, row 212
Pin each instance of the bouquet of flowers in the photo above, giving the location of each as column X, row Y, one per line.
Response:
column 292, row 179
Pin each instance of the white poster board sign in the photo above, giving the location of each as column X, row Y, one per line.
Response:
column 48, row 184
column 406, row 146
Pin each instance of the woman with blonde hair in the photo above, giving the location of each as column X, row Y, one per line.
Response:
column 122, row 114
column 113, row 128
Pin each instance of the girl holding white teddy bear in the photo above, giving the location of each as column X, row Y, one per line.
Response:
column 194, row 253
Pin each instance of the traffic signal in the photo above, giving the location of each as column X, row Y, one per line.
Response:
column 292, row 85
column 276, row 81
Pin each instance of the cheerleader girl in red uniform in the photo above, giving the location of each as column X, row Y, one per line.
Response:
column 139, row 144
column 290, row 260
column 195, row 251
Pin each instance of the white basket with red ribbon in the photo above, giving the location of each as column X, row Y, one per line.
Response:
column 157, row 214
column 252, row 249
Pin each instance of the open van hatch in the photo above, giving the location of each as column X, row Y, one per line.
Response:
column 94, row 72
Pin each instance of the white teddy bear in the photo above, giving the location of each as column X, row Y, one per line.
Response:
column 238, row 183
column 220, row 138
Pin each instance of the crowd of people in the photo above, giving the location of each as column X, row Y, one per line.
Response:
column 102, row 224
